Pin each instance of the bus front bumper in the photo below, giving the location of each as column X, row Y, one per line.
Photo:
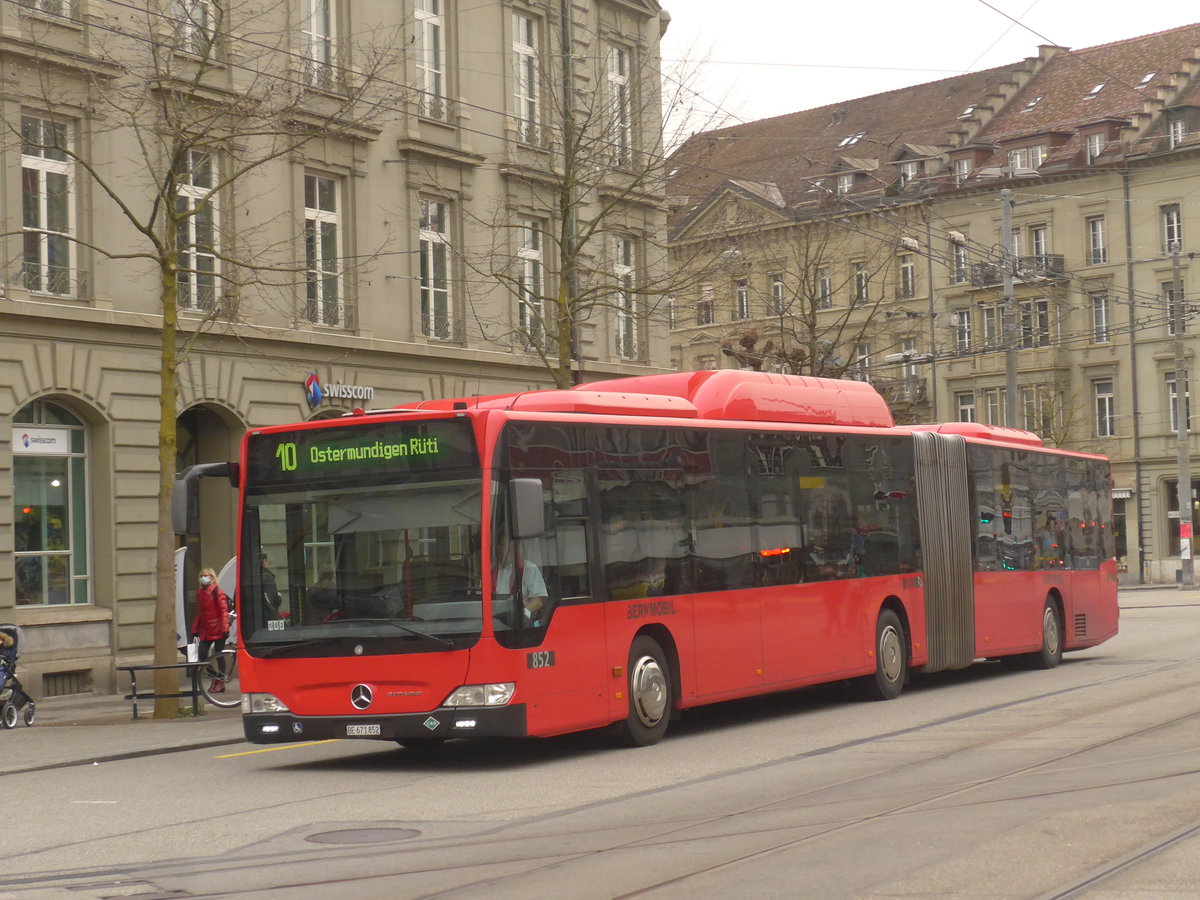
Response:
column 440, row 724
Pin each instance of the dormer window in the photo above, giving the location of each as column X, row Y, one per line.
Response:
column 962, row 171
column 845, row 182
column 1032, row 103
column 852, row 139
column 1096, row 89
column 1093, row 146
column 1176, row 131
column 1027, row 157
column 1146, row 79
column 910, row 171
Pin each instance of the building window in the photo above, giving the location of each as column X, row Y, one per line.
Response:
column 48, row 202
column 1039, row 241
column 824, row 288
column 1035, row 323
column 1027, row 157
column 322, row 249
column 50, row 507
column 962, row 171
column 434, row 249
column 962, row 330
column 704, row 309
column 1096, row 89
column 958, row 271
column 624, row 267
column 845, row 182
column 1100, row 332
column 1172, row 228
column 1097, row 251
column 993, row 327
column 908, row 276
column 1176, row 131
column 778, row 301
column 996, row 403
column 1093, row 146
column 196, row 232
column 741, row 300
column 525, row 77
column 965, row 402
column 49, row 7
column 431, row 59
column 195, row 25
column 1176, row 311
column 1171, row 401
column 317, row 33
column 706, row 363
column 862, row 361
column 620, row 105
column 909, row 349
column 671, row 321
column 1105, row 405
column 910, row 171
column 531, row 311
column 862, row 286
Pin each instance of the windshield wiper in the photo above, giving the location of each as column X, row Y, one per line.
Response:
column 277, row 649
column 392, row 623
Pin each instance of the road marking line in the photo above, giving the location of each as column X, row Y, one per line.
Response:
column 273, row 749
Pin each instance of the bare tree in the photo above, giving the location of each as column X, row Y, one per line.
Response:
column 591, row 255
column 211, row 103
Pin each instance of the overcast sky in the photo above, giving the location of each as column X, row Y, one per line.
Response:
column 770, row 57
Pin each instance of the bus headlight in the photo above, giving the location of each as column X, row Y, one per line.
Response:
column 482, row 695
column 263, row 703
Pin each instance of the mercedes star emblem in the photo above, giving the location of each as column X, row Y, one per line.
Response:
column 360, row 697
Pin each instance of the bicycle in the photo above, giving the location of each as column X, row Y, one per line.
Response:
column 219, row 683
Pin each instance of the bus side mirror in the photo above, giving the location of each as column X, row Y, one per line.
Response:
column 529, row 513
column 181, row 493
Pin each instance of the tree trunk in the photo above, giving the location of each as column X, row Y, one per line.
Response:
column 166, row 681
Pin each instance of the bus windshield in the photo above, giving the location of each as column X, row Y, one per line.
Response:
column 378, row 553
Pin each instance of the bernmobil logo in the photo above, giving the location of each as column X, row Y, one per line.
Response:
column 650, row 610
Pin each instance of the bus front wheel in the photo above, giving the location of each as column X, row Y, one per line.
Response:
column 650, row 693
column 891, row 659
column 1052, row 645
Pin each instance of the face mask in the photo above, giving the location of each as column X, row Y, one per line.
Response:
column 206, row 581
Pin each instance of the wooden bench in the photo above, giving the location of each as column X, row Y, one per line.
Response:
column 193, row 670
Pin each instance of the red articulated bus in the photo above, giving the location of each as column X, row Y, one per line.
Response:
column 553, row 561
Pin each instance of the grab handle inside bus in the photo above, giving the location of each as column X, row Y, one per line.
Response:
column 528, row 512
column 182, row 496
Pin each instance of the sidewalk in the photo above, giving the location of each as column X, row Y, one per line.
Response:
column 97, row 728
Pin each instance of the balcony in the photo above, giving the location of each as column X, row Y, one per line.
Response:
column 441, row 327
column 1046, row 267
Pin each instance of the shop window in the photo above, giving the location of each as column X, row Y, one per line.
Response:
column 50, row 507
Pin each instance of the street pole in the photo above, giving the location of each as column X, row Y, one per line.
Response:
column 1010, row 309
column 1183, row 490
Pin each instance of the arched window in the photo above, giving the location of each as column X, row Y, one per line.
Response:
column 50, row 506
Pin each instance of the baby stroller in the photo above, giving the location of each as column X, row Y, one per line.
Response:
column 12, row 696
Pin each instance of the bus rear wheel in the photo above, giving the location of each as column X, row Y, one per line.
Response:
column 891, row 659
column 651, row 695
column 1052, row 645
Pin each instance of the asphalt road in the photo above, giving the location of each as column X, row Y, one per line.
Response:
column 1080, row 781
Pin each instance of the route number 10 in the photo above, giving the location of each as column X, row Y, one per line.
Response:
column 286, row 454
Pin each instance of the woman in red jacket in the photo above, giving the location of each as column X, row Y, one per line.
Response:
column 212, row 621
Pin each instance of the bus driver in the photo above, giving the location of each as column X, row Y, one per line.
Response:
column 533, row 586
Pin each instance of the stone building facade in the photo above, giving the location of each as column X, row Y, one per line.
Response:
column 1094, row 154
column 398, row 254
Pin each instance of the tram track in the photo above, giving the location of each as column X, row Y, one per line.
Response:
column 510, row 841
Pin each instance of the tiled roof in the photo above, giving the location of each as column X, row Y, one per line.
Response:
column 1067, row 85
column 791, row 151
column 1123, row 84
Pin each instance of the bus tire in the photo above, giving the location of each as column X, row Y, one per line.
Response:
column 891, row 659
column 1052, row 638
column 651, row 696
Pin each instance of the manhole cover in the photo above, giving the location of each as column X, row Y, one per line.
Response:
column 363, row 836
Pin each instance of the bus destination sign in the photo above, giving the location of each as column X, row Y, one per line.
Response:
column 379, row 447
